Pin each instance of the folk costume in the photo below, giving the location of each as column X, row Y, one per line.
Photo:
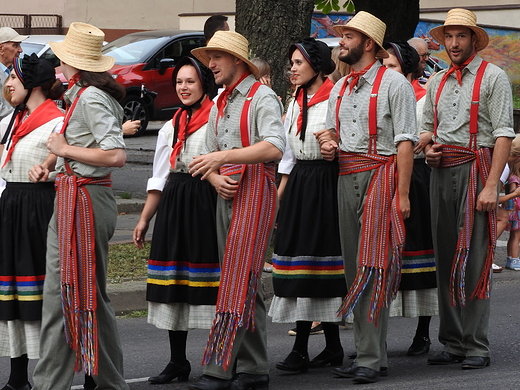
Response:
column 372, row 112
column 183, row 269
column 308, row 276
column 25, row 211
column 245, row 114
column 88, row 341
column 473, row 108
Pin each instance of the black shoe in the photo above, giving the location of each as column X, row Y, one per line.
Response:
column 474, row 362
column 445, row 358
column 327, row 357
column 250, row 382
column 420, row 346
column 349, row 370
column 365, row 375
column 207, row 382
column 171, row 372
column 294, row 362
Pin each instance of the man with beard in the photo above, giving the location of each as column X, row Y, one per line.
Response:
column 468, row 109
column 372, row 114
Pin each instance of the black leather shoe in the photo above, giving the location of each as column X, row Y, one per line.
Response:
column 365, row 375
column 420, row 346
column 473, row 362
column 349, row 370
column 171, row 372
column 295, row 362
column 250, row 382
column 445, row 358
column 327, row 357
column 207, row 382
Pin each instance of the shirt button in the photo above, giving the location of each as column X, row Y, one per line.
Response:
column 353, row 134
column 355, row 105
column 357, row 195
column 227, row 116
column 356, row 187
column 225, row 145
column 454, row 117
column 456, row 91
column 454, row 104
column 178, row 159
column 301, row 151
column 182, row 170
column 353, row 120
column 356, row 91
column 354, row 178
column 226, row 130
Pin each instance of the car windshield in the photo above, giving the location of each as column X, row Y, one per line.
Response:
column 130, row 49
column 29, row 47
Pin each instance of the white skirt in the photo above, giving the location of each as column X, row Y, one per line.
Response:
column 415, row 303
column 20, row 337
column 180, row 316
column 290, row 310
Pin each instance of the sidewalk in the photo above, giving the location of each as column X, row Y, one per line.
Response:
column 130, row 295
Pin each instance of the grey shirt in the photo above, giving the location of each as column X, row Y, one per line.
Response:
column 95, row 123
column 396, row 119
column 265, row 119
column 495, row 115
column 5, row 108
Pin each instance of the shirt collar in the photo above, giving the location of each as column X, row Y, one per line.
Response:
column 5, row 69
column 473, row 65
column 246, row 84
column 370, row 76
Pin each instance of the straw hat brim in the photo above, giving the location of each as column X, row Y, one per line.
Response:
column 201, row 54
column 382, row 53
column 101, row 64
column 437, row 33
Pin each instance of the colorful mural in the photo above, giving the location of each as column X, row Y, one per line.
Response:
column 503, row 49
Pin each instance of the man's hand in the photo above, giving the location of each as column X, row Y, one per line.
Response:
column 329, row 150
column 424, row 139
column 487, row 200
column 38, row 173
column 207, row 163
column 325, row 135
column 225, row 186
column 57, row 144
column 434, row 155
column 404, row 205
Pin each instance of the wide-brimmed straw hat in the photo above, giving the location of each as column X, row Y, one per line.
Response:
column 230, row 42
column 367, row 24
column 464, row 18
column 81, row 48
column 7, row 34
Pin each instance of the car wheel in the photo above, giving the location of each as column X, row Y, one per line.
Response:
column 135, row 108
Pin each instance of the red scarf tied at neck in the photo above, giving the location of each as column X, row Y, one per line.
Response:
column 321, row 95
column 222, row 99
column 355, row 76
column 457, row 69
column 44, row 113
column 188, row 126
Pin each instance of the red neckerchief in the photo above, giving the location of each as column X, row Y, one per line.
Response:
column 187, row 127
column 418, row 89
column 222, row 99
column 74, row 80
column 321, row 95
column 355, row 76
column 44, row 113
column 457, row 69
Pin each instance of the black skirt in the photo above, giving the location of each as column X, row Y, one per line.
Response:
column 184, row 264
column 307, row 259
column 418, row 269
column 25, row 211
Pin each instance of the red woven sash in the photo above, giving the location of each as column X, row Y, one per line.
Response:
column 480, row 166
column 76, row 242
column 247, row 240
column 382, row 232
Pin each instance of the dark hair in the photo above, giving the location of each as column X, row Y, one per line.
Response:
column 213, row 24
column 53, row 90
column 103, row 81
column 205, row 75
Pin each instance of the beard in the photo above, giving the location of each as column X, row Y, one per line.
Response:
column 354, row 55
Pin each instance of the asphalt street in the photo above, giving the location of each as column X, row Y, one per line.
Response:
column 146, row 347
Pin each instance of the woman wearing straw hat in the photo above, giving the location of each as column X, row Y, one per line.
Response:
column 468, row 109
column 308, row 277
column 184, row 237
column 25, row 209
column 79, row 330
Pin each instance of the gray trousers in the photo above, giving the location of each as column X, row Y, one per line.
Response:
column 369, row 337
column 55, row 369
column 249, row 355
column 463, row 330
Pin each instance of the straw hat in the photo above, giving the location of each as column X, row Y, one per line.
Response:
column 465, row 18
column 81, row 48
column 368, row 25
column 230, row 42
column 7, row 34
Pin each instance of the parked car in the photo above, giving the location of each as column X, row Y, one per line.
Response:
column 39, row 44
column 145, row 61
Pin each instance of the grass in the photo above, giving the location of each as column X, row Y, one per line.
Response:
column 125, row 262
column 125, row 195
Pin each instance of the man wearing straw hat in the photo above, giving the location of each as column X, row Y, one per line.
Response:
column 245, row 136
column 372, row 112
column 79, row 330
column 9, row 49
column 469, row 111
